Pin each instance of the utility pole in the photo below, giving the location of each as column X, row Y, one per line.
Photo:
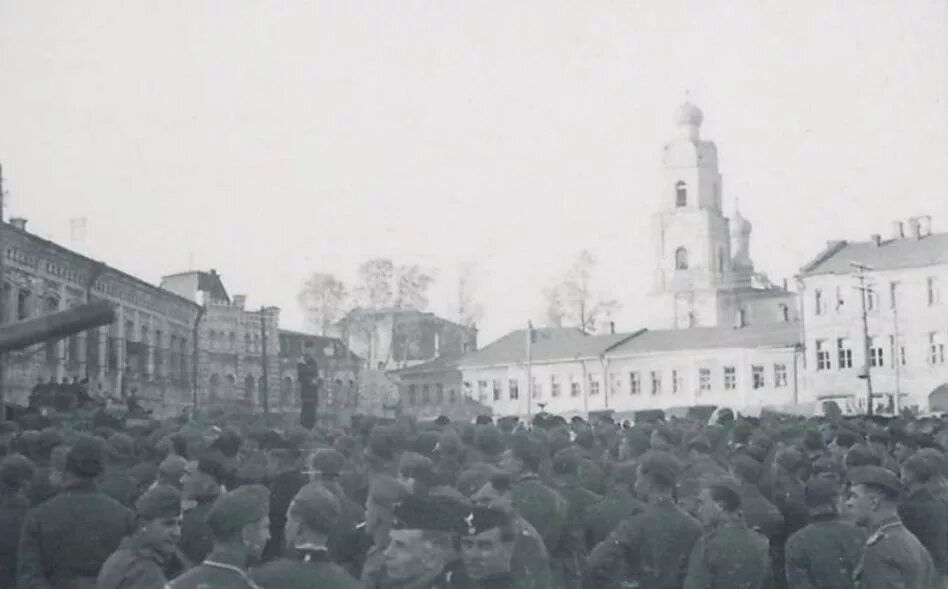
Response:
column 864, row 291
column 529, row 371
column 265, row 385
column 897, row 358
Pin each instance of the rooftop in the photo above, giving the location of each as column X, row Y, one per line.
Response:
column 547, row 344
column 894, row 254
column 772, row 335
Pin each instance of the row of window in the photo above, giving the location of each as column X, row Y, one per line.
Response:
column 426, row 395
column 728, row 375
column 221, row 340
column 879, row 348
column 932, row 297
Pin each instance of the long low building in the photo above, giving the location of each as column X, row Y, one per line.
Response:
column 572, row 373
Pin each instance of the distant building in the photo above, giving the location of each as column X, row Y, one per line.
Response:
column 572, row 373
column 704, row 275
column 907, row 311
column 392, row 339
column 338, row 369
column 148, row 351
column 430, row 390
column 231, row 342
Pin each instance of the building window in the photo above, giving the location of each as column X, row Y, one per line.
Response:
column 614, row 383
column 412, row 394
column 482, row 391
column 425, row 394
column 496, row 389
column 574, row 388
column 681, row 259
column 845, row 353
column 839, row 299
column 818, row 301
column 537, row 388
column 681, row 194
column 721, row 261
column 635, row 383
column 876, row 359
column 934, row 293
column 454, row 396
column 822, row 355
column 872, row 300
column 656, row 382
column 513, row 389
column 757, row 376
column 555, row 387
column 893, row 294
column 897, row 349
column 780, row 375
column 593, row 385
column 936, row 348
column 704, row 379
column 678, row 381
column 439, row 393
column 730, row 378
column 22, row 304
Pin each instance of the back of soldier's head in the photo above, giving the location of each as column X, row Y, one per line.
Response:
column 660, row 469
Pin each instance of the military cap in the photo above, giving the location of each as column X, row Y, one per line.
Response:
column 577, row 419
column 449, row 443
column 527, row 449
column 415, row 466
column 472, row 479
column 425, row 443
column 483, row 519
column 9, row 427
column 821, row 492
column 790, row 459
column 121, row 447
column 210, row 465
column 747, row 468
column 660, row 467
column 385, row 442
column 144, row 473
column 741, row 432
column 700, row 443
column 727, row 490
column 877, row 477
column 443, row 420
column 878, row 434
column 173, row 467
column 487, row 439
column 228, row 442
column 483, row 420
column 85, row 458
column 624, row 473
column 15, row 471
column 935, row 457
column 585, row 439
column 49, row 438
column 327, row 461
column 862, row 455
column 432, row 513
column 670, row 434
column 567, row 461
column 827, row 466
column 846, row 438
column 159, row 502
column 316, row 507
column 238, row 508
column 922, row 467
column 813, row 440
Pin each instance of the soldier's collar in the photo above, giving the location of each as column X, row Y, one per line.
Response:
column 879, row 532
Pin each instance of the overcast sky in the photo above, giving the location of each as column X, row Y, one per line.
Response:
column 272, row 139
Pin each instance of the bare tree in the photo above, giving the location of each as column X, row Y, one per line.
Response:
column 411, row 287
column 374, row 284
column 322, row 299
column 572, row 299
column 469, row 311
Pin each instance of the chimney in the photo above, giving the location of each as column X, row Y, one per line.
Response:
column 914, row 228
column 876, row 239
column 19, row 223
column 612, row 327
column 897, row 230
column 925, row 225
column 437, row 344
column 240, row 300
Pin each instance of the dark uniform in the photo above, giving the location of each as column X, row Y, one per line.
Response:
column 894, row 557
column 571, row 552
column 196, row 540
column 67, row 539
column 308, row 567
column 133, row 566
column 211, row 574
column 544, row 508
column 731, row 556
column 603, row 517
column 927, row 518
column 13, row 510
column 649, row 549
column 824, row 554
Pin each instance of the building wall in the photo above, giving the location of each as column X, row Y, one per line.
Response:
column 147, row 351
column 913, row 322
column 429, row 394
column 606, row 383
column 339, row 375
column 232, row 355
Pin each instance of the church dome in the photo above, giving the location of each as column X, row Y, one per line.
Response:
column 689, row 115
column 740, row 225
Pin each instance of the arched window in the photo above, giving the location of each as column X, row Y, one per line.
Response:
column 681, row 194
column 681, row 259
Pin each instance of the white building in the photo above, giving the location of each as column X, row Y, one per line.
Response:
column 574, row 374
column 704, row 275
column 907, row 316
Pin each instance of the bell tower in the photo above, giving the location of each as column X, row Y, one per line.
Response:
column 691, row 237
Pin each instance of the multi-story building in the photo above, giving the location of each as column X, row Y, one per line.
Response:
column 148, row 351
column 338, row 372
column 572, row 373
column 904, row 278
column 435, row 388
column 704, row 275
column 234, row 342
column 392, row 339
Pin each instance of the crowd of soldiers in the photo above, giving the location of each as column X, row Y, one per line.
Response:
column 779, row 501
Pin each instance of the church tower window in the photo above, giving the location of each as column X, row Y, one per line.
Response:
column 681, row 194
column 681, row 259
